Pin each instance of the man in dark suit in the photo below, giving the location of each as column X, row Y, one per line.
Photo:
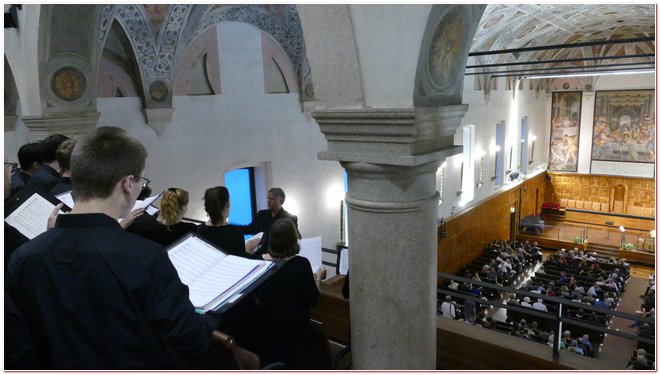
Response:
column 265, row 219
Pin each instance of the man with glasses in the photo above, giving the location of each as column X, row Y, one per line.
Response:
column 88, row 295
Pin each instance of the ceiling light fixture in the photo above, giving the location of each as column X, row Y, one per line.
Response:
column 588, row 74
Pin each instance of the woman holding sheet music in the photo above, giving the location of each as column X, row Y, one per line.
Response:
column 216, row 230
column 284, row 299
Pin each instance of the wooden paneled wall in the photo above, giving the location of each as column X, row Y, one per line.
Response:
column 470, row 232
column 598, row 188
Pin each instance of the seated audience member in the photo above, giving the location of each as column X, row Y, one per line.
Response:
column 216, row 230
column 563, row 279
column 285, row 299
column 29, row 159
column 539, row 305
column 575, row 348
column 173, row 205
column 265, row 219
column 453, row 285
column 86, row 294
column 63, row 156
column 526, row 302
column 640, row 363
column 48, row 173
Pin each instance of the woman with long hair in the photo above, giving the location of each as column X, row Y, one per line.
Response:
column 216, row 230
column 173, row 205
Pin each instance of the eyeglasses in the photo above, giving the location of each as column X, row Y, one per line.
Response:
column 146, row 181
column 13, row 166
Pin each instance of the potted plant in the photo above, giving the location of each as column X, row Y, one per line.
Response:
column 583, row 241
column 627, row 246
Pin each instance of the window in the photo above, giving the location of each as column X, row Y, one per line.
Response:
column 240, row 183
column 467, row 165
column 524, row 145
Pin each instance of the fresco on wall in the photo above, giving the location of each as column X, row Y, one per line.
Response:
column 565, row 131
column 624, row 126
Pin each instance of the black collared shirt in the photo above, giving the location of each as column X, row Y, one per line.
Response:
column 95, row 297
column 262, row 223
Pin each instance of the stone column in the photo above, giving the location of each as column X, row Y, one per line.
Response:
column 391, row 157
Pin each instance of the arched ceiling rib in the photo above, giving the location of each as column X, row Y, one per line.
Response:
column 511, row 26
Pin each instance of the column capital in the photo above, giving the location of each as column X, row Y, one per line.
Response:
column 71, row 124
column 391, row 136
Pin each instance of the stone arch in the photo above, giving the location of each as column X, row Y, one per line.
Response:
column 11, row 98
column 118, row 68
column 444, row 52
column 68, row 57
column 287, row 32
column 336, row 70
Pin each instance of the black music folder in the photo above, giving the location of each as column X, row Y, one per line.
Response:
column 216, row 280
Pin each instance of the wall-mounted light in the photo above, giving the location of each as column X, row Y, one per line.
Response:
column 460, row 189
column 510, row 159
column 442, row 229
column 512, row 209
column 532, row 138
column 495, row 150
column 443, row 167
column 481, row 154
column 522, row 145
column 623, row 235
column 652, row 233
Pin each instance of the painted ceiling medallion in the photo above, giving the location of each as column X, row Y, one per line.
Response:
column 445, row 51
column 158, row 90
column 69, row 84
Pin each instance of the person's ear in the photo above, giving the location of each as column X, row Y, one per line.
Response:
column 127, row 184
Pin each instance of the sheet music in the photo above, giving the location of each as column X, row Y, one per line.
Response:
column 256, row 247
column 144, row 203
column 343, row 261
column 66, row 198
column 212, row 276
column 31, row 217
column 310, row 248
column 151, row 210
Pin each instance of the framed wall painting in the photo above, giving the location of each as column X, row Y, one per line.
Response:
column 624, row 126
column 565, row 131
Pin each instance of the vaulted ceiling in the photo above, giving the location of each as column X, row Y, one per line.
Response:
column 524, row 26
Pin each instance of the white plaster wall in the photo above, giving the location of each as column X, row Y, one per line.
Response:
column 503, row 105
column 211, row 135
column 484, row 114
column 388, row 50
column 21, row 50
